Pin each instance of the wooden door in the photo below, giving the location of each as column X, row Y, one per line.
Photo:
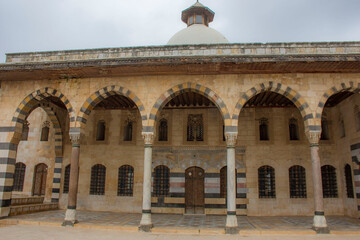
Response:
column 40, row 179
column 194, row 190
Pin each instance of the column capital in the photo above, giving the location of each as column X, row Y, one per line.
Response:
column 75, row 139
column 231, row 138
column 148, row 137
column 313, row 137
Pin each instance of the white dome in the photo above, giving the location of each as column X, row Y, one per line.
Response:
column 197, row 34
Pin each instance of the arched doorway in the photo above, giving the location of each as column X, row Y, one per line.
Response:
column 40, row 175
column 194, row 191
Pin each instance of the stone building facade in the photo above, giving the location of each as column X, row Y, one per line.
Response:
column 238, row 129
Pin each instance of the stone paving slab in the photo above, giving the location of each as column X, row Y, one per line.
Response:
column 191, row 224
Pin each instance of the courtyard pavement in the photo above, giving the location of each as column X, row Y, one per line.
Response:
column 187, row 224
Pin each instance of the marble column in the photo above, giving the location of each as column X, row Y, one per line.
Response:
column 70, row 215
column 319, row 222
column 231, row 220
column 145, row 223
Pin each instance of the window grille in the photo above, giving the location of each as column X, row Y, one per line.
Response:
column 223, row 182
column 125, row 181
column 195, row 128
column 328, row 176
column 161, row 181
column 293, row 129
column 128, row 131
column 66, row 179
column 264, row 129
column 163, row 130
column 19, row 176
column 297, row 181
column 100, row 132
column 349, row 182
column 266, row 175
column 25, row 131
column 97, row 185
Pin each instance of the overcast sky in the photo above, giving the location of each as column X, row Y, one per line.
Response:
column 43, row 25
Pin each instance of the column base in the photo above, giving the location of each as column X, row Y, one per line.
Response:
column 321, row 230
column 145, row 228
column 70, row 218
column 145, row 223
column 319, row 225
column 4, row 212
column 231, row 230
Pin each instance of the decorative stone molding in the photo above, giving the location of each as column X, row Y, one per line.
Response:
column 75, row 138
column 148, row 137
column 231, row 139
column 313, row 137
column 45, row 124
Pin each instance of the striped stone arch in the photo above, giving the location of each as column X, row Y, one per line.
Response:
column 32, row 101
column 348, row 86
column 104, row 93
column 181, row 88
column 281, row 89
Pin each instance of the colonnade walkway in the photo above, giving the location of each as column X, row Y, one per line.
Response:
column 192, row 224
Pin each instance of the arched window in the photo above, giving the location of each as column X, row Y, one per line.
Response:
column 100, row 131
column 297, row 181
column 264, row 129
column 349, row 182
column 128, row 131
column 97, row 185
column 223, row 182
column 161, row 181
column 25, row 131
column 324, row 127
column 357, row 117
column 293, row 129
column 328, row 176
column 66, row 179
column 342, row 126
column 163, row 130
column 195, row 128
column 45, row 131
column 125, row 180
column 266, row 175
column 19, row 176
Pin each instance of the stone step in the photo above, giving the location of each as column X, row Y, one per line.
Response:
column 26, row 200
column 31, row 208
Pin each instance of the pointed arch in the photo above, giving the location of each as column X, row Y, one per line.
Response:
column 181, row 88
column 344, row 86
column 281, row 89
column 102, row 94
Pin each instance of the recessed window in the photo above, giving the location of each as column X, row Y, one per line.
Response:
column 66, row 179
column 349, row 182
column 25, row 131
column 293, row 129
column 195, row 128
column 324, row 128
column 100, row 132
column 357, row 117
column 264, row 129
column 297, row 181
column 97, row 185
column 163, row 130
column 19, row 176
column 161, row 181
column 328, row 176
column 125, row 180
column 342, row 127
column 266, row 177
column 128, row 131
